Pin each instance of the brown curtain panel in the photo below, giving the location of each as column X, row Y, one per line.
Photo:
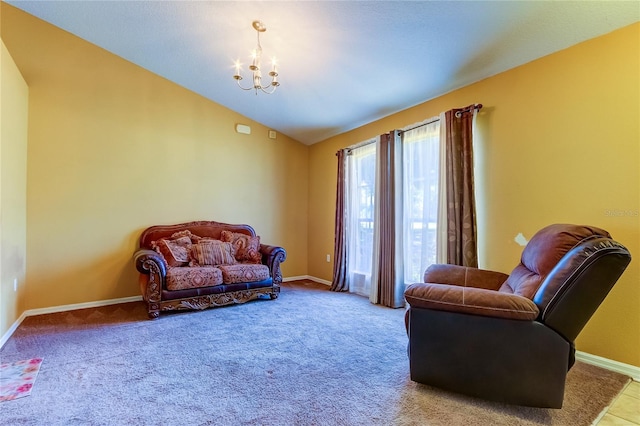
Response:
column 340, row 243
column 390, row 266
column 461, row 210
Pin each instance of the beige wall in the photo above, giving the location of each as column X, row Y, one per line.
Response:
column 14, row 95
column 113, row 149
column 559, row 142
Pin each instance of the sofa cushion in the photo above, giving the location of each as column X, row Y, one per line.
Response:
column 247, row 247
column 212, row 252
column 193, row 277
column 244, row 273
column 174, row 251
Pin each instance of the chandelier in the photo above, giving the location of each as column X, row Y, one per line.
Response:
column 255, row 67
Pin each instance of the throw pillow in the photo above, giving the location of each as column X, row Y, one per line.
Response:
column 175, row 253
column 176, row 235
column 183, row 241
column 186, row 233
column 212, row 252
column 247, row 247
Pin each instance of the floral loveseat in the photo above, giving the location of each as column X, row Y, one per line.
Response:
column 197, row 265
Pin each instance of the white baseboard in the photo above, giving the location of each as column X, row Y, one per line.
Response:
column 609, row 364
column 297, row 278
column 307, row 277
column 11, row 330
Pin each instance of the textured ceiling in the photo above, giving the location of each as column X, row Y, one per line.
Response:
column 341, row 64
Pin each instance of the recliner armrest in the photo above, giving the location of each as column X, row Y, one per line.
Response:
column 470, row 300
column 464, row 276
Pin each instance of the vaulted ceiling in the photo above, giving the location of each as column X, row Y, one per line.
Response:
column 342, row 64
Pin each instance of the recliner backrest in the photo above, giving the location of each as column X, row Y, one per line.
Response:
column 578, row 284
column 567, row 270
column 542, row 253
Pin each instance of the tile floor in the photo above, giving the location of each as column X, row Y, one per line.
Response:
column 625, row 409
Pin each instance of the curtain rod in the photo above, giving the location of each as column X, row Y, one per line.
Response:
column 426, row 123
column 359, row 145
column 477, row 107
column 470, row 108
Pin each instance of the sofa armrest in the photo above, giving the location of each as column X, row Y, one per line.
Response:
column 470, row 300
column 273, row 256
column 147, row 259
column 153, row 264
column 464, row 276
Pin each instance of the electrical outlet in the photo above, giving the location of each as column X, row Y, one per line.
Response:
column 15, row 284
column 328, row 258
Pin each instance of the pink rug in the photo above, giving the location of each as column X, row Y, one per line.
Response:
column 16, row 378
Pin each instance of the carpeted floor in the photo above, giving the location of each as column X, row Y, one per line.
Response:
column 311, row 357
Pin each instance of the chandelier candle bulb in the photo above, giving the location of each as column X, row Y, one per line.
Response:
column 254, row 66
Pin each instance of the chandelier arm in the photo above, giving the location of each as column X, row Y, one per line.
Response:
column 267, row 92
column 248, row 88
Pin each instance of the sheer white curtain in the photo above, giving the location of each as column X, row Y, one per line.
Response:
column 360, row 206
column 421, row 159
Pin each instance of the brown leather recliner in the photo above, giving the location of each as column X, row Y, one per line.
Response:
column 510, row 338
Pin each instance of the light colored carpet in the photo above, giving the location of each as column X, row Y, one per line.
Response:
column 311, row 357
